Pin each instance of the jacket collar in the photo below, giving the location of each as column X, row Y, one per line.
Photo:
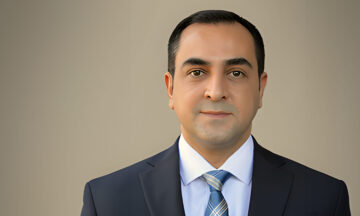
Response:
column 271, row 183
column 161, row 183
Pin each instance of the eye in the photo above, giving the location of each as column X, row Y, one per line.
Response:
column 196, row 73
column 237, row 73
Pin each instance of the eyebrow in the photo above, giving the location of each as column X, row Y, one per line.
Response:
column 229, row 62
column 195, row 61
column 238, row 61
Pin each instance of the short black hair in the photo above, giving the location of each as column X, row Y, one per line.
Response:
column 214, row 17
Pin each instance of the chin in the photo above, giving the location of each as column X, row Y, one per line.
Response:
column 217, row 139
column 220, row 137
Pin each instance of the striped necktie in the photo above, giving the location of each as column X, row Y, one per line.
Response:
column 217, row 205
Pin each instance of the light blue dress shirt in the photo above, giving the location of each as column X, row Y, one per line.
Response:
column 237, row 189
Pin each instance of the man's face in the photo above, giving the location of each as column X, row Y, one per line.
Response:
column 215, row 90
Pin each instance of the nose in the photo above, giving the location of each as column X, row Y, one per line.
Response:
column 216, row 88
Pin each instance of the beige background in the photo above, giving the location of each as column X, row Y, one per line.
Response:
column 82, row 91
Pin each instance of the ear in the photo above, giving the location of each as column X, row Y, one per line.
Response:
column 169, row 87
column 263, row 80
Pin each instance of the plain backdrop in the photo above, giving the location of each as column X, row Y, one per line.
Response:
column 82, row 91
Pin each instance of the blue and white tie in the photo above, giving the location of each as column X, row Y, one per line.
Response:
column 217, row 205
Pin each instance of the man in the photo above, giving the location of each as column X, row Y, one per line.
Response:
column 215, row 85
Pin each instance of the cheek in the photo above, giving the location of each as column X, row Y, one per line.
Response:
column 185, row 103
column 247, row 101
column 188, row 95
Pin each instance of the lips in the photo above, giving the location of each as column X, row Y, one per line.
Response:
column 215, row 114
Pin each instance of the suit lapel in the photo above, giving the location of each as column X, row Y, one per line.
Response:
column 161, row 184
column 271, row 183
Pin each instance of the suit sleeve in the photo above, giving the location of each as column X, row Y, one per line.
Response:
column 343, row 207
column 88, row 208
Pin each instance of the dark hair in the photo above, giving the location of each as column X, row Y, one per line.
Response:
column 214, row 17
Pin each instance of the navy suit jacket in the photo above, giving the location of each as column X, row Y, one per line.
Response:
column 279, row 187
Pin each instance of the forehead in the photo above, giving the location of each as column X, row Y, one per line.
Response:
column 216, row 42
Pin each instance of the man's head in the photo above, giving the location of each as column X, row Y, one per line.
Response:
column 218, row 86
column 214, row 17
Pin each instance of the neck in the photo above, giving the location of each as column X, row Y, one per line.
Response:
column 218, row 156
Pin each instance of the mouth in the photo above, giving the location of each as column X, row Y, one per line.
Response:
column 215, row 114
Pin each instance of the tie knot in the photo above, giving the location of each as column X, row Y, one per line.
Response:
column 216, row 179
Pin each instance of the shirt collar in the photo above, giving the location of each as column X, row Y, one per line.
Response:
column 193, row 165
